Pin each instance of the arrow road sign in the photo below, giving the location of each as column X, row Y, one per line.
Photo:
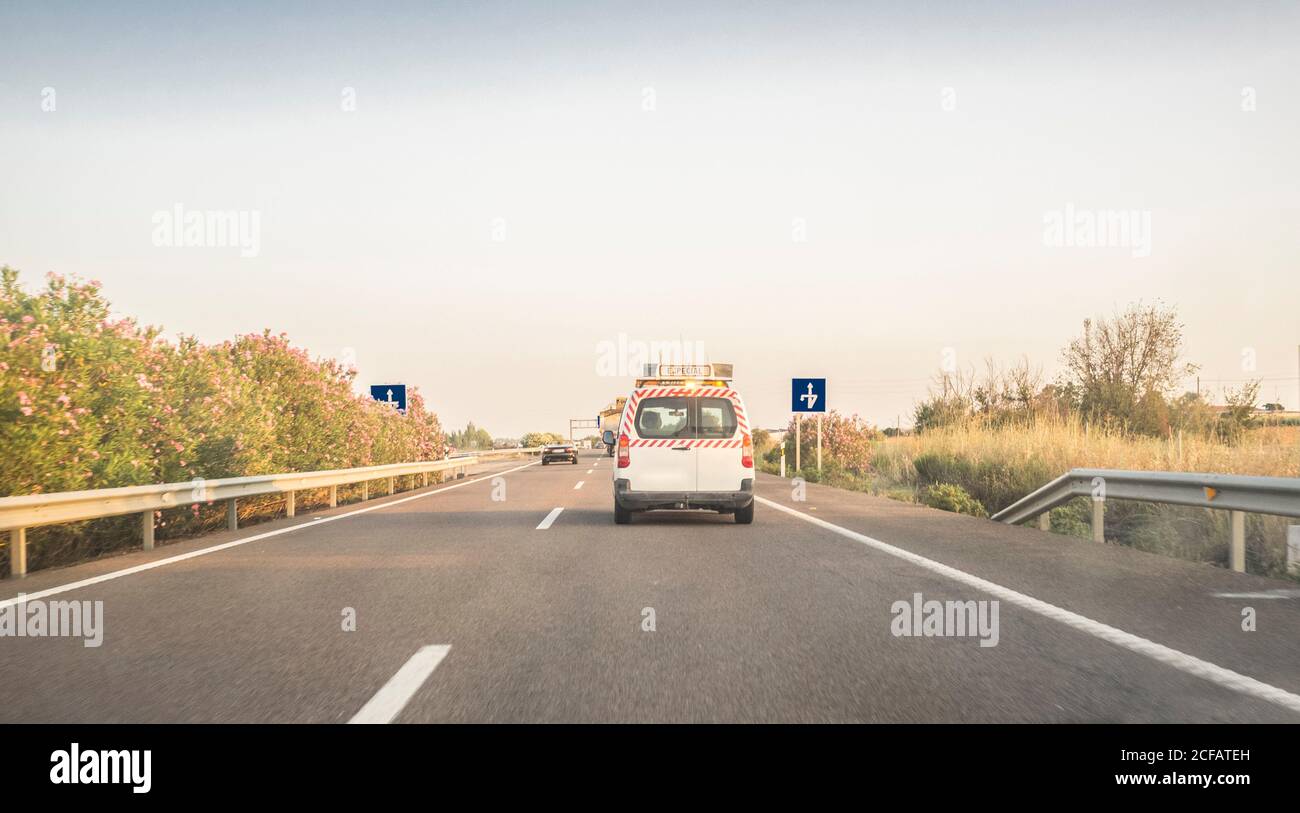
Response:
column 394, row 394
column 807, row 395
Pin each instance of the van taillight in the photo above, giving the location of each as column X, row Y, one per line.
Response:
column 623, row 459
column 746, row 453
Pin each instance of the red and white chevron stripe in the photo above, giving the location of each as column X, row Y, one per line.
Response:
column 677, row 443
column 629, row 412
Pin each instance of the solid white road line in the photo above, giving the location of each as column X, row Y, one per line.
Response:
column 588, row 471
column 550, row 518
column 117, row 574
column 389, row 701
column 1166, row 655
column 579, row 485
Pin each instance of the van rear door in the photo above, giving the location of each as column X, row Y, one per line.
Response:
column 660, row 453
column 717, row 453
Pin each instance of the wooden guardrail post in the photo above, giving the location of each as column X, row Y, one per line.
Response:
column 334, row 496
column 424, row 479
column 1237, row 551
column 18, row 552
column 290, row 503
column 1098, row 520
column 1045, row 521
column 365, row 490
column 146, row 529
column 390, row 486
column 232, row 514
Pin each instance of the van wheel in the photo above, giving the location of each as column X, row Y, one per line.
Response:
column 543, row 462
column 622, row 516
column 745, row 516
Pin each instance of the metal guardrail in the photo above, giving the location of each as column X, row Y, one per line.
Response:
column 1236, row 493
column 17, row 514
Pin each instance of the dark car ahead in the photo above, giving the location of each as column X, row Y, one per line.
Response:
column 559, row 452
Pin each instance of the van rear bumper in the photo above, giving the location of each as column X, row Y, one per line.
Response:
column 712, row 500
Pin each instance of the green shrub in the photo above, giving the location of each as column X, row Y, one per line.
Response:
column 994, row 483
column 938, row 467
column 952, row 497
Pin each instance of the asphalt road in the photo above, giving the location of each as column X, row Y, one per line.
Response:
column 466, row 611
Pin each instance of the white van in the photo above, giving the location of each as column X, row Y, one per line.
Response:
column 683, row 444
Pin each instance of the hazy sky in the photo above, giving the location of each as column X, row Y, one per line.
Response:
column 838, row 189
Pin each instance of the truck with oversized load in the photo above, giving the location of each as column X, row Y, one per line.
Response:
column 609, row 417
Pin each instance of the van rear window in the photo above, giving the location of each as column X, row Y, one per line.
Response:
column 717, row 418
column 664, row 418
column 685, row 418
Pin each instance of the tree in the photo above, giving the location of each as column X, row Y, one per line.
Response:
column 534, row 439
column 1240, row 412
column 1002, row 396
column 951, row 401
column 1123, row 369
column 471, row 438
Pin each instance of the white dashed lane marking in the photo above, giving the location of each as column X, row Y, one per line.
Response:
column 389, row 701
column 550, row 519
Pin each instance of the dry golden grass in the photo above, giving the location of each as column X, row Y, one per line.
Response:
column 1067, row 444
column 998, row 465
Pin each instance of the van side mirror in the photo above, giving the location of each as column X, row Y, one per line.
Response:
column 608, row 437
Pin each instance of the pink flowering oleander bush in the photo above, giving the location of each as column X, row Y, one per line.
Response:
column 92, row 401
column 846, row 443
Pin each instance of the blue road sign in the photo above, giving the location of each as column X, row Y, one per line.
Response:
column 394, row 394
column 807, row 395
